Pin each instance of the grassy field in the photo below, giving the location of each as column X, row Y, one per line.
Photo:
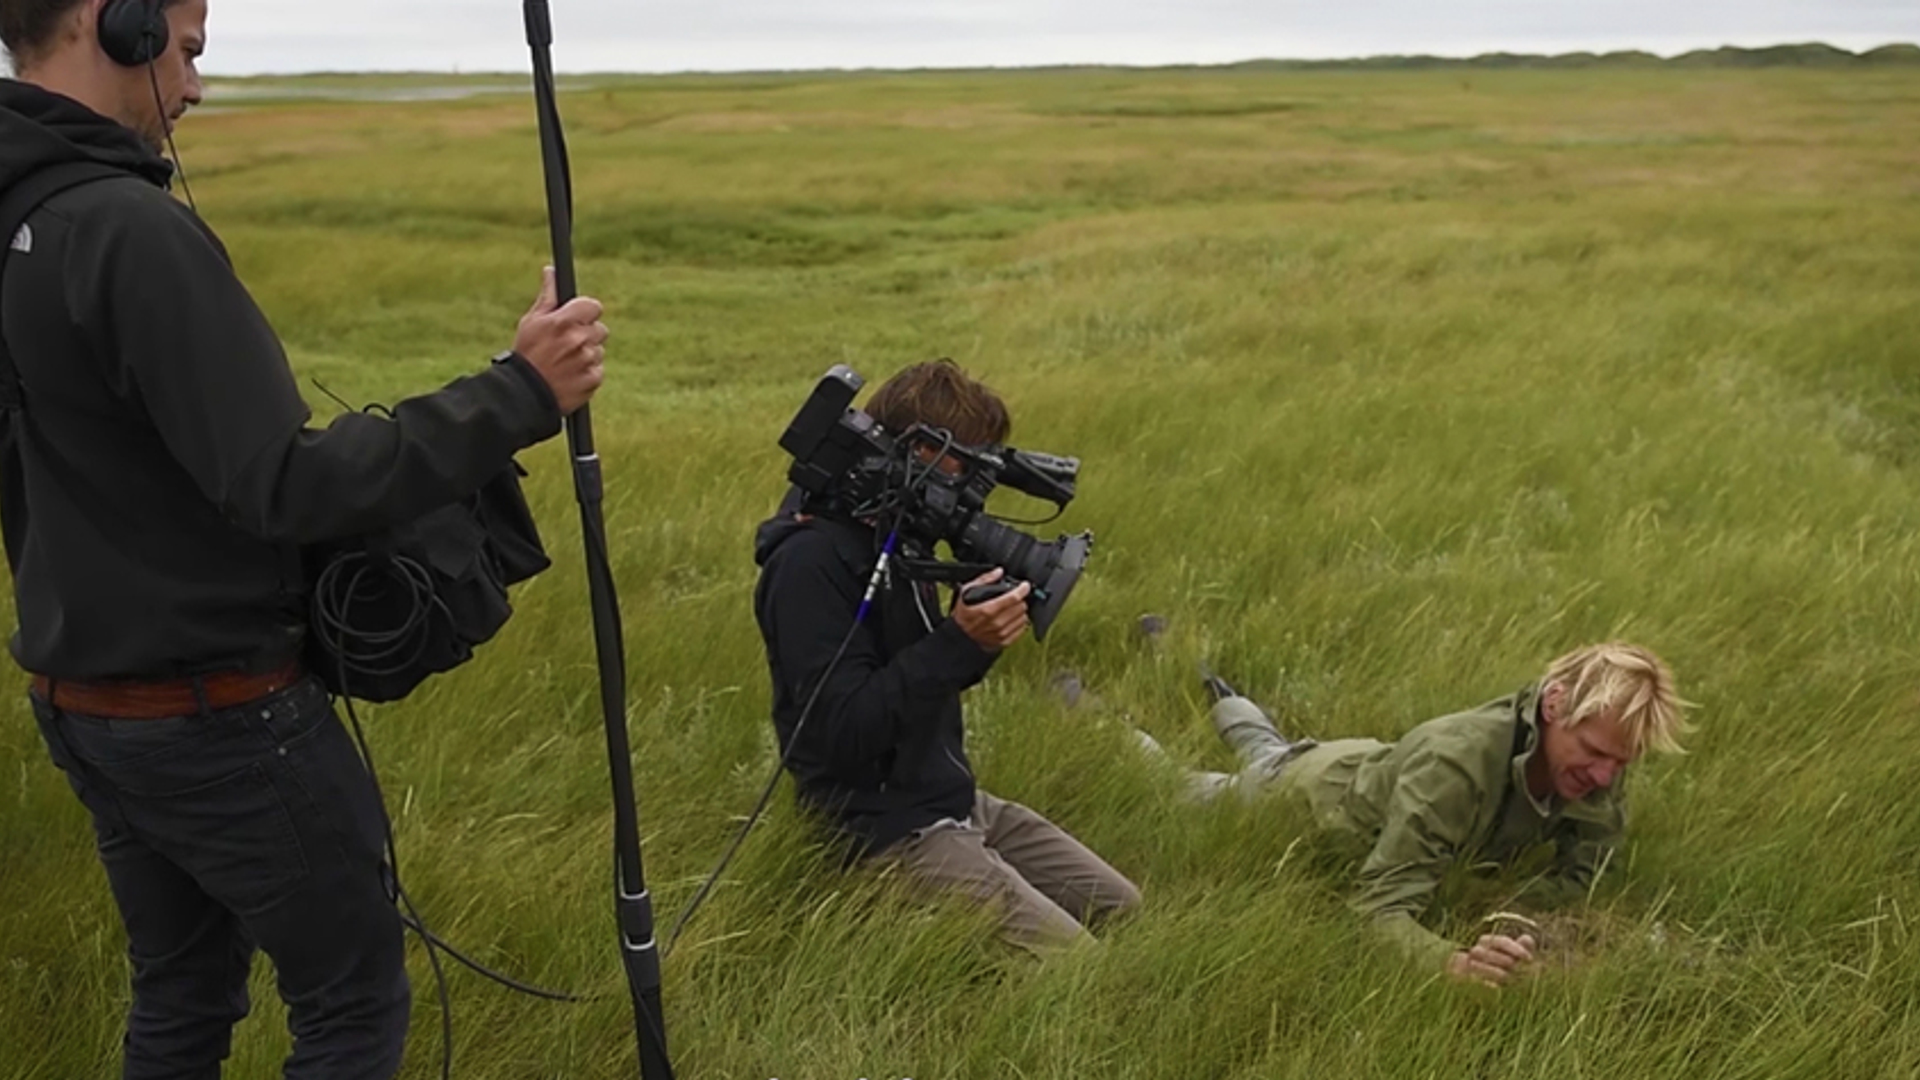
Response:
column 1390, row 387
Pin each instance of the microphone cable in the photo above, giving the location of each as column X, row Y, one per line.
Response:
column 412, row 919
column 766, row 793
column 335, row 591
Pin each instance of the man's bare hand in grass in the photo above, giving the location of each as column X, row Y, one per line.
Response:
column 1493, row 960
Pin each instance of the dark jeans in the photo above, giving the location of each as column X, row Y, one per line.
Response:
column 250, row 827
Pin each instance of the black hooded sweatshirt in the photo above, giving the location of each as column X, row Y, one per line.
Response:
column 883, row 751
column 160, row 475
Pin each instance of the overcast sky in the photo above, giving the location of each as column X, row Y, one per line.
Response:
column 258, row 36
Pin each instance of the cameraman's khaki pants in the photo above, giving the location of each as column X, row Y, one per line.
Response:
column 1048, row 885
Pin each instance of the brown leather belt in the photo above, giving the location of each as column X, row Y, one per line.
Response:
column 158, row 700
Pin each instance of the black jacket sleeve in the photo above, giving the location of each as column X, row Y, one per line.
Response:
column 153, row 292
column 870, row 704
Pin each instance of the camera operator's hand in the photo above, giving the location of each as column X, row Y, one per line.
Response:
column 566, row 344
column 997, row 623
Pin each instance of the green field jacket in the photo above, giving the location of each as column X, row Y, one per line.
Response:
column 1453, row 788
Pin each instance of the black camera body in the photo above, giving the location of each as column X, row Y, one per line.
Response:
column 846, row 465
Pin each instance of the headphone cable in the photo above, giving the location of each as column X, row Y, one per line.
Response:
column 160, row 114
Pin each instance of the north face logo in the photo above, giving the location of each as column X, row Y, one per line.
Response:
column 23, row 240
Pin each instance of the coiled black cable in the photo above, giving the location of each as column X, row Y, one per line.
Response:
column 351, row 586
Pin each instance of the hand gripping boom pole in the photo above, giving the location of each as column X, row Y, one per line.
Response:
column 633, row 907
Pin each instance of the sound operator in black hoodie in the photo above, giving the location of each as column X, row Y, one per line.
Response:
column 156, row 468
column 882, row 755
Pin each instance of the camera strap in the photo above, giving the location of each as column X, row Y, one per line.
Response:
column 16, row 236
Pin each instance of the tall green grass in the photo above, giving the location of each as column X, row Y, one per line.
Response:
column 1389, row 387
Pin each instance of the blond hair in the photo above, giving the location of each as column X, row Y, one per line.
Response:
column 1616, row 677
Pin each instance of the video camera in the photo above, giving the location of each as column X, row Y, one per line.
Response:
column 846, row 465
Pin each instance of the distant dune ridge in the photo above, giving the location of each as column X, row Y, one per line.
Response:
column 1810, row 54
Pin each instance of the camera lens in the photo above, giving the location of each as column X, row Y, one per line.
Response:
column 1053, row 569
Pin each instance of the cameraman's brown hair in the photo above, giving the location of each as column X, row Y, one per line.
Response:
column 939, row 394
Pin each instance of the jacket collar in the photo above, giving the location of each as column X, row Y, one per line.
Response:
column 39, row 128
column 1526, row 741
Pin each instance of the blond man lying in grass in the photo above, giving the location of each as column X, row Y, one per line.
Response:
column 1542, row 765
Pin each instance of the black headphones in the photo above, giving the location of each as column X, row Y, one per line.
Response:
column 133, row 32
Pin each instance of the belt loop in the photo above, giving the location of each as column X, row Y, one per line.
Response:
column 56, row 729
column 53, row 696
column 82, row 771
column 200, row 696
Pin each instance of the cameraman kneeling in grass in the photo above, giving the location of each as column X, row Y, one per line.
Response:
column 881, row 755
column 1545, row 764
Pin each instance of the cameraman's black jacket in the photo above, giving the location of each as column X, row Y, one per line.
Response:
column 161, row 474
column 883, row 752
